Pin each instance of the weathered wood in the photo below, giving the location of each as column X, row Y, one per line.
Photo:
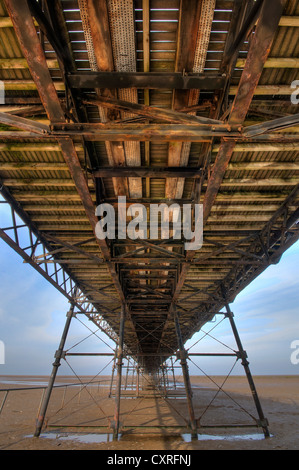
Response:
column 33, row 166
column 20, row 63
column 275, row 63
column 34, row 147
column 150, row 172
column 292, row 21
column 267, row 90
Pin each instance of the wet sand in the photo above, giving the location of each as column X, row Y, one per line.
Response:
column 85, row 411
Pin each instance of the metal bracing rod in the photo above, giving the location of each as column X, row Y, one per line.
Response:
column 56, row 364
column 245, row 364
column 183, row 356
column 120, row 351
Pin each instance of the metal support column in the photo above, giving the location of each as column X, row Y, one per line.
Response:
column 112, row 375
column 56, row 364
column 119, row 370
column 173, row 374
column 137, row 382
column 185, row 370
column 245, row 364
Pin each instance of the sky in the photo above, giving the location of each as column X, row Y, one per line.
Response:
column 33, row 313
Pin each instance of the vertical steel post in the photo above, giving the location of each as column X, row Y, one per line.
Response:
column 56, row 364
column 163, row 379
column 185, row 370
column 127, row 373
column 119, row 370
column 137, row 382
column 245, row 364
column 133, row 381
column 112, row 375
column 173, row 375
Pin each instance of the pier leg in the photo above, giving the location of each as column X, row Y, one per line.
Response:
column 137, row 381
column 245, row 364
column 56, row 364
column 112, row 376
column 173, row 374
column 185, row 370
column 119, row 371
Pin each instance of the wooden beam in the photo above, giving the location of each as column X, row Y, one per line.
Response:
column 46, row 207
column 271, row 166
column 262, row 147
column 274, row 63
column 244, row 182
column 69, row 195
column 34, row 147
column 31, row 182
column 291, row 21
column 21, row 63
column 149, row 172
column 236, row 207
column 33, row 166
column 267, row 90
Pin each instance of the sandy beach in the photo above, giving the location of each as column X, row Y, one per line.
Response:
column 77, row 416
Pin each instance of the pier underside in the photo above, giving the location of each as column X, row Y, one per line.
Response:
column 182, row 103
